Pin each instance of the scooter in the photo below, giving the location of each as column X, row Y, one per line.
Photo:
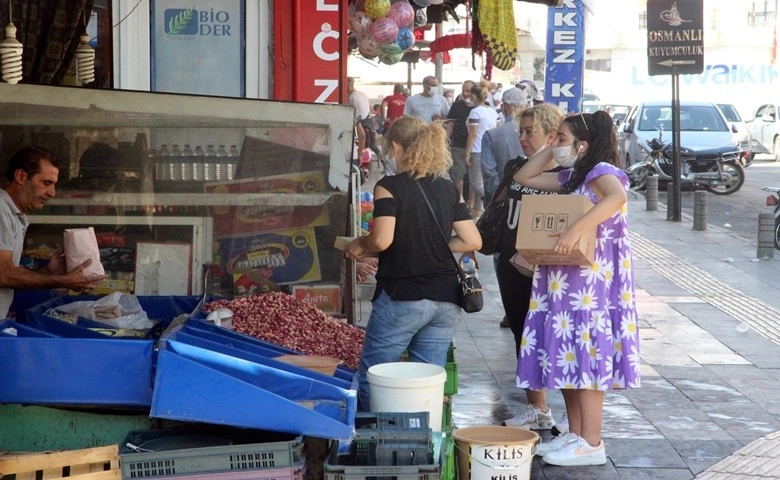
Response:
column 773, row 200
column 718, row 169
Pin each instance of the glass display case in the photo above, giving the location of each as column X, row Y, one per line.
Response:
column 257, row 190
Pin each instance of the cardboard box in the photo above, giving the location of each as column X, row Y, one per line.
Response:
column 282, row 257
column 326, row 297
column 542, row 214
column 231, row 220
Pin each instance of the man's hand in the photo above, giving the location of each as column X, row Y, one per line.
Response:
column 56, row 265
column 77, row 280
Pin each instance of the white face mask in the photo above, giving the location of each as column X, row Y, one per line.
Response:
column 564, row 157
column 392, row 165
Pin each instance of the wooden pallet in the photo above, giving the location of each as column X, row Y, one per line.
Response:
column 86, row 464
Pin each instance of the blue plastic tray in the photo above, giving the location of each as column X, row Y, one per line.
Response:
column 41, row 368
column 197, row 384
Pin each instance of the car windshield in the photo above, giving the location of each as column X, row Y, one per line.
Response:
column 693, row 118
column 730, row 112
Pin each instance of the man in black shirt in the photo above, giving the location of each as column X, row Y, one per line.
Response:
column 458, row 133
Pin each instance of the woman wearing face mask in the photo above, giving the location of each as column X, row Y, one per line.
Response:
column 415, row 305
column 581, row 332
column 537, row 128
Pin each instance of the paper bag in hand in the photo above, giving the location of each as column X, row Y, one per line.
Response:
column 80, row 245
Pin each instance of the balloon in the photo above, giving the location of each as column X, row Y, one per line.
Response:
column 368, row 47
column 390, row 53
column 359, row 23
column 423, row 3
column 405, row 38
column 401, row 13
column 377, row 8
column 383, row 30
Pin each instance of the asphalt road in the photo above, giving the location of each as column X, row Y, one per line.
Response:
column 739, row 211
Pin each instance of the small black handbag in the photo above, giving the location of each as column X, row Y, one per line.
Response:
column 470, row 294
column 492, row 222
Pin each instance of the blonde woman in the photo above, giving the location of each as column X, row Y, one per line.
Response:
column 415, row 305
column 538, row 126
column 482, row 118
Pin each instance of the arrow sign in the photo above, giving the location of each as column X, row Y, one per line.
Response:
column 675, row 37
column 674, row 63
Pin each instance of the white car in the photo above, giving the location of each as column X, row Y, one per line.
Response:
column 743, row 137
column 765, row 128
column 702, row 127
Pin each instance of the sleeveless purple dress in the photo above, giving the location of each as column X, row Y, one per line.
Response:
column 582, row 328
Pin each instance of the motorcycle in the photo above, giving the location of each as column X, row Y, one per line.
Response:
column 773, row 200
column 719, row 170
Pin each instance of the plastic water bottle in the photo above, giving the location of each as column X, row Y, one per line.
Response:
column 210, row 172
column 177, row 172
column 468, row 266
column 199, row 164
column 233, row 157
column 162, row 169
column 222, row 163
column 187, row 164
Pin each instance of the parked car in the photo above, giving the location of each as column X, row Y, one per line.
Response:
column 742, row 136
column 765, row 130
column 617, row 111
column 702, row 127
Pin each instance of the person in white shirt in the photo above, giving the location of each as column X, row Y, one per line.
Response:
column 481, row 119
column 428, row 105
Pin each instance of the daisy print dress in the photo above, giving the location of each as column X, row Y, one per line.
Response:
column 581, row 331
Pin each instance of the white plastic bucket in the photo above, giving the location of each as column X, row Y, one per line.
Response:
column 408, row 387
column 494, row 452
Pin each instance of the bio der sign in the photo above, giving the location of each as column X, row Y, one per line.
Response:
column 198, row 47
column 565, row 55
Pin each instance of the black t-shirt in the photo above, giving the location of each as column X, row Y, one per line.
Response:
column 515, row 194
column 419, row 264
column 459, row 113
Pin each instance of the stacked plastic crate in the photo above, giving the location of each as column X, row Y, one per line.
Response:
column 388, row 445
column 209, row 452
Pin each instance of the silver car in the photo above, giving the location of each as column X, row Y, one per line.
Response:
column 742, row 136
column 702, row 126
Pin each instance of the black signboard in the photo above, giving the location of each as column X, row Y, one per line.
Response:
column 675, row 36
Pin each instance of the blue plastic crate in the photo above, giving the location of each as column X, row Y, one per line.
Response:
column 42, row 368
column 197, row 384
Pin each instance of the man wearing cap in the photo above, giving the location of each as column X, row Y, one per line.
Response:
column 501, row 144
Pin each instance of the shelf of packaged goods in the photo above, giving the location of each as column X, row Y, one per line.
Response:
column 202, row 233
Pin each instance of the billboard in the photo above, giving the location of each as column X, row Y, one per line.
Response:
column 563, row 84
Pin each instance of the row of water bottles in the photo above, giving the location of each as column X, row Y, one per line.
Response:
column 196, row 164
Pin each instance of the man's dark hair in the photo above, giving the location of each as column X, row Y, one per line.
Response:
column 29, row 160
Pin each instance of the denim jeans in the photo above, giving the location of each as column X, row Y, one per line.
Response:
column 424, row 327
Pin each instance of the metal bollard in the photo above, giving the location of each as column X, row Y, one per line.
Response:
column 700, row 210
column 651, row 193
column 669, row 201
column 766, row 236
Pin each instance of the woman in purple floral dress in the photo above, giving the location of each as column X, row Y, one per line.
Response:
column 581, row 333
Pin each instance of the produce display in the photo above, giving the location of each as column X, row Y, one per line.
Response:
column 283, row 320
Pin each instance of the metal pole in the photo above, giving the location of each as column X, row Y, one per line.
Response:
column 766, row 235
column 700, row 210
column 439, row 62
column 676, row 165
column 651, row 193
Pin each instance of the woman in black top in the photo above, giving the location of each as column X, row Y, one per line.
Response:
column 415, row 306
column 538, row 126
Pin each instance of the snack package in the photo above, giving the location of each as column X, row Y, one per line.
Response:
column 80, row 245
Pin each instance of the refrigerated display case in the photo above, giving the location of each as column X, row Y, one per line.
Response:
column 265, row 206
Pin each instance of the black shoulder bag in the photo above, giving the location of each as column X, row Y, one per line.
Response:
column 470, row 294
column 492, row 222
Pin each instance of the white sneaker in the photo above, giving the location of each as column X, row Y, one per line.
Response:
column 532, row 419
column 577, row 453
column 561, row 426
column 556, row 443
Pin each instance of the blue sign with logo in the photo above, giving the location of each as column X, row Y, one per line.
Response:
column 563, row 84
column 198, row 47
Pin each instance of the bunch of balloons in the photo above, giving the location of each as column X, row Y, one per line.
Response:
column 384, row 28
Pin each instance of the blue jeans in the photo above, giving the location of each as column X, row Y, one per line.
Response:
column 424, row 327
